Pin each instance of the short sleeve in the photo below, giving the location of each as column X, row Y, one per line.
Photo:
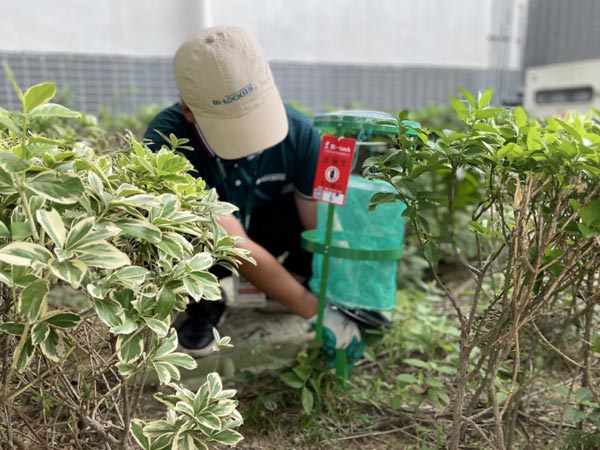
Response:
column 307, row 142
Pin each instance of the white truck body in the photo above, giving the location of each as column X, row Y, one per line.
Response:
column 557, row 88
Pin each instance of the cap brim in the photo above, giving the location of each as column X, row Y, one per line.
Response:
column 254, row 132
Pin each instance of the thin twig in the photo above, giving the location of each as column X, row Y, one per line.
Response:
column 375, row 433
column 556, row 349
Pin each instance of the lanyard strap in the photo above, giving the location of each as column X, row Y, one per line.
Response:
column 246, row 215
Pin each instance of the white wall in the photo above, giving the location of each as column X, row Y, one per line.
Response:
column 389, row 32
column 422, row 32
column 128, row 27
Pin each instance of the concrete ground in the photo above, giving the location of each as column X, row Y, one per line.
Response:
column 262, row 340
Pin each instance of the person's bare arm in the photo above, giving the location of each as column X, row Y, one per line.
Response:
column 270, row 276
column 307, row 210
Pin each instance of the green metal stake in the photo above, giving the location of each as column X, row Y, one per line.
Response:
column 341, row 365
column 341, row 360
column 325, row 272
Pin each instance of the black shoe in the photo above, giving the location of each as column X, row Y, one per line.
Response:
column 371, row 320
column 195, row 335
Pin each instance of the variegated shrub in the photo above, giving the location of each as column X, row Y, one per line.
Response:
column 96, row 254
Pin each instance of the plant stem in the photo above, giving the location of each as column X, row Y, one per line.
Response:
column 27, row 208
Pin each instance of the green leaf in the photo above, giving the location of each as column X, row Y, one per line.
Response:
column 201, row 261
column 38, row 94
column 158, row 428
column 144, row 201
column 22, row 276
column 520, row 117
column 102, row 254
column 39, row 333
column 170, row 162
column 79, row 232
column 179, row 360
column 72, row 271
column 488, row 112
column 126, row 369
column 159, row 327
column 184, row 407
column 60, row 189
column 584, row 394
column 396, row 402
column 476, row 227
column 407, row 378
column 62, row 319
column 24, row 254
column 431, row 253
column 215, row 385
column 209, row 420
column 131, row 276
column 162, row 372
column 108, row 311
column 165, row 372
column 223, row 408
column 444, row 397
column 194, row 287
column 485, row 98
column 469, row 97
column 169, row 345
column 52, row 347
column 12, row 328
column 590, row 214
column 574, row 415
column 130, row 347
column 140, row 229
column 511, row 151
column 292, row 380
column 459, row 107
column 533, row 139
column 32, row 301
column 486, row 128
column 382, row 197
column 227, row 437
column 20, row 231
column 4, row 231
column 63, row 255
column 201, row 398
column 165, row 303
column 9, row 123
column 126, row 328
column 171, row 247
column 53, row 110
column 13, row 164
column 186, row 442
column 415, row 362
column 13, row 81
column 23, row 355
column 569, row 129
column 53, row 225
column 308, row 400
column 136, row 428
column 434, row 383
column 210, row 282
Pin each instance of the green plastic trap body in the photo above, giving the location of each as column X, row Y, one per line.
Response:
column 364, row 245
column 364, row 250
column 373, row 130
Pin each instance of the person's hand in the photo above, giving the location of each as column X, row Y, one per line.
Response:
column 340, row 332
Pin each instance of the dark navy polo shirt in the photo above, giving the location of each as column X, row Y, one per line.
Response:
column 288, row 166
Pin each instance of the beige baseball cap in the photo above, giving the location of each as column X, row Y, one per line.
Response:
column 225, row 80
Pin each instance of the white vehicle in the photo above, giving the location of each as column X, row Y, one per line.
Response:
column 557, row 88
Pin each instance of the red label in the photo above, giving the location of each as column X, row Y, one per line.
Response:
column 333, row 169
